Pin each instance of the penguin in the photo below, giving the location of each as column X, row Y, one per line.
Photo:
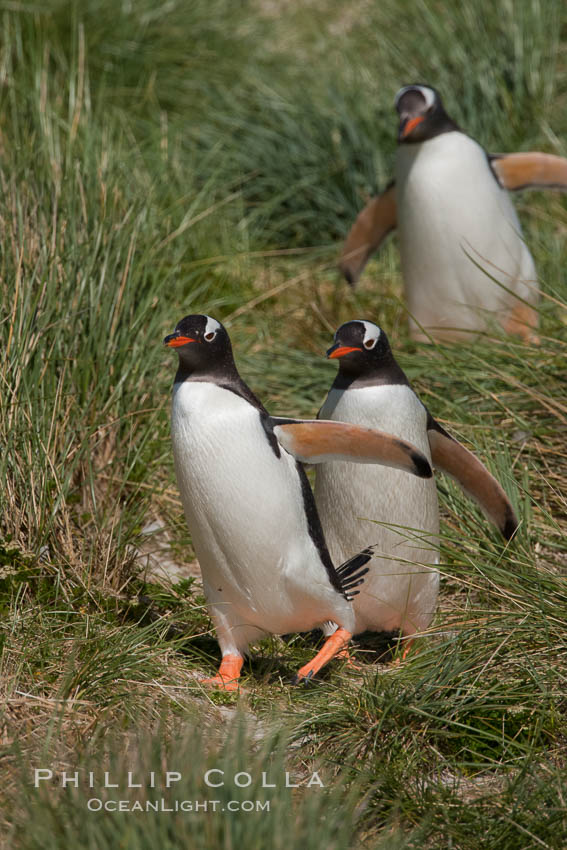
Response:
column 249, row 506
column 399, row 593
column 465, row 264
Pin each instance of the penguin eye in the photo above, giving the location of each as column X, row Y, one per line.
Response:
column 210, row 336
column 370, row 343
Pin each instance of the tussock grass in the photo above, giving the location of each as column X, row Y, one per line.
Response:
column 164, row 159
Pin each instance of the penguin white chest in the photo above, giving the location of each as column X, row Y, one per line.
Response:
column 221, row 455
column 452, row 214
column 371, row 492
column 239, row 497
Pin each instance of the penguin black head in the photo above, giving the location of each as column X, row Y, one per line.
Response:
column 364, row 355
column 202, row 344
column 422, row 114
column 359, row 345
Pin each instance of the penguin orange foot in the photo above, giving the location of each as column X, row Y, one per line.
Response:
column 407, row 648
column 404, row 653
column 228, row 675
column 332, row 646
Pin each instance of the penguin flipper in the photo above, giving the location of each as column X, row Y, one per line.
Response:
column 371, row 226
column 473, row 477
column 532, row 170
column 320, row 441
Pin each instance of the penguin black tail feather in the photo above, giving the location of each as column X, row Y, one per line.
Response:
column 351, row 574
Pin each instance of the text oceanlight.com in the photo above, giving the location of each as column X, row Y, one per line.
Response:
column 95, row 804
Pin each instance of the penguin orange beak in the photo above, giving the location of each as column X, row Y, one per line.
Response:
column 176, row 341
column 408, row 125
column 340, row 351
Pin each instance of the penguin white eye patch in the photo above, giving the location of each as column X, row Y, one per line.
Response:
column 427, row 94
column 371, row 333
column 211, row 329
